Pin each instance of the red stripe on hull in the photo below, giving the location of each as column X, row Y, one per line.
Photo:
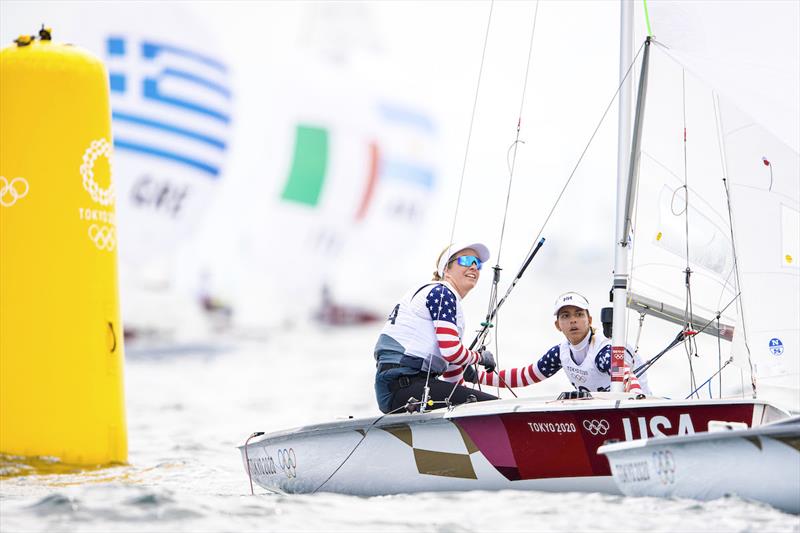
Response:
column 564, row 443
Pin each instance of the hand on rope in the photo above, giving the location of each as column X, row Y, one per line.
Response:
column 487, row 360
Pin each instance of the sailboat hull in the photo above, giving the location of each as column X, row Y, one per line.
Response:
column 761, row 464
column 523, row 444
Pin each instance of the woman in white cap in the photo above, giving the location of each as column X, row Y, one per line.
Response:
column 423, row 336
column 584, row 355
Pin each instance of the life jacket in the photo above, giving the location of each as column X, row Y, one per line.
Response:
column 586, row 376
column 408, row 336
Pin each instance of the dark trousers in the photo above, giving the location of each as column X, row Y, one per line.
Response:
column 406, row 387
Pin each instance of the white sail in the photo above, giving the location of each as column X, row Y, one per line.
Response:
column 746, row 51
column 728, row 74
column 664, row 224
column 764, row 178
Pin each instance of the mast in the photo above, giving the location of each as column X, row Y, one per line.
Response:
column 627, row 174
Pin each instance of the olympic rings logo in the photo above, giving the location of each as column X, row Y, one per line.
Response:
column 288, row 462
column 103, row 237
column 596, row 427
column 13, row 191
column 95, row 150
column 665, row 466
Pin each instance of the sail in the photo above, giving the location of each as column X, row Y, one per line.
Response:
column 722, row 111
column 681, row 216
column 336, row 171
column 764, row 179
column 746, row 51
column 172, row 116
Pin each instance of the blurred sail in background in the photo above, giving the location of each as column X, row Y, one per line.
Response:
column 171, row 99
column 337, row 173
column 325, row 166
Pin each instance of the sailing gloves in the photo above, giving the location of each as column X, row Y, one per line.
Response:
column 487, row 361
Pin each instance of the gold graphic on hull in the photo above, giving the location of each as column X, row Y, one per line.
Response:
column 436, row 463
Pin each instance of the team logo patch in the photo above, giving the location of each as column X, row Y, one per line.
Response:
column 775, row 346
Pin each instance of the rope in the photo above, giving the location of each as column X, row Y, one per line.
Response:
column 471, row 123
column 463, row 171
column 492, row 303
column 569, row 178
column 566, row 184
column 729, row 361
column 739, row 307
column 719, row 355
column 519, row 126
column 583, row 153
column 639, row 332
column 647, row 18
column 688, row 311
column 366, row 432
column 680, row 337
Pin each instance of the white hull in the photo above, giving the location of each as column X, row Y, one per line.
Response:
column 526, row 444
column 761, row 464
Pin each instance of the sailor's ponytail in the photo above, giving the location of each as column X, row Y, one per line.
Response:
column 439, row 276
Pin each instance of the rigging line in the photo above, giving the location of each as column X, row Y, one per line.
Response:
column 688, row 312
column 519, row 126
column 363, row 437
column 719, row 357
column 719, row 313
column 639, row 332
column 471, row 122
column 729, row 361
column 737, row 298
column 583, row 153
column 644, row 367
column 512, row 166
column 464, row 164
column 537, row 243
column 647, row 18
column 497, row 350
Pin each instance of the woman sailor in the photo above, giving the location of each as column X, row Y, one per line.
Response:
column 584, row 355
column 422, row 337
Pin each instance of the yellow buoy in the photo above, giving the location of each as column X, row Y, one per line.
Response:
column 61, row 353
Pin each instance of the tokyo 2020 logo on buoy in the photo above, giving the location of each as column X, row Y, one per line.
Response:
column 103, row 196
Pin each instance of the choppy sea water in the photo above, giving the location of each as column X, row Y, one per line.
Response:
column 187, row 412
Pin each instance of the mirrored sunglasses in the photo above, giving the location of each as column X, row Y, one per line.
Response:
column 469, row 260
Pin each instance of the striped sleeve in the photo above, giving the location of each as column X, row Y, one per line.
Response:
column 546, row 366
column 453, row 374
column 441, row 304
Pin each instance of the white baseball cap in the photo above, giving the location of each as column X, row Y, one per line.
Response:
column 481, row 249
column 570, row 298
